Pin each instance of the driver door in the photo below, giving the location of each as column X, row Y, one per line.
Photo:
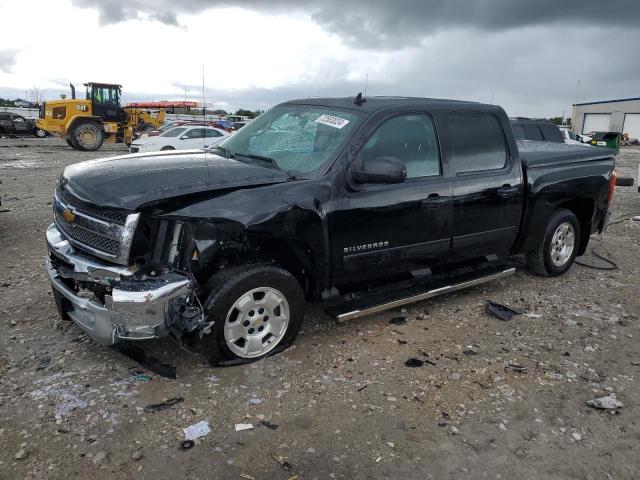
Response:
column 20, row 125
column 381, row 230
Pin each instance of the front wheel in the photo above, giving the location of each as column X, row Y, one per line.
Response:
column 167, row 147
column 258, row 309
column 40, row 133
column 557, row 251
column 87, row 136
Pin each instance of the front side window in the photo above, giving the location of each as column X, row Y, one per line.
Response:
column 551, row 133
column 300, row 138
column 409, row 138
column 174, row 132
column 105, row 95
column 478, row 142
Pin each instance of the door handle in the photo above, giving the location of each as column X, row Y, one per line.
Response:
column 434, row 201
column 507, row 191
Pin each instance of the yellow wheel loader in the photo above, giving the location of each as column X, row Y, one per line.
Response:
column 86, row 124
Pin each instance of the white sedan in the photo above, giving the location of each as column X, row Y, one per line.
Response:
column 180, row 138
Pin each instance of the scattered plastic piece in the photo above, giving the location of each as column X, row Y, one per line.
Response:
column 255, row 401
column 503, row 312
column 213, row 379
column 471, row 350
column 143, row 377
column 609, row 403
column 414, row 362
column 43, row 363
column 269, row 425
column 196, row 430
column 186, row 445
column 243, row 426
column 158, row 407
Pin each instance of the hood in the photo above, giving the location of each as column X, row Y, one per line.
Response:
column 134, row 181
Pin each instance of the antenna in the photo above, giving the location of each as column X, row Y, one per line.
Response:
column 204, row 106
column 359, row 100
column 366, row 83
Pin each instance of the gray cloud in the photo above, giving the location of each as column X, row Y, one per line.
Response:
column 380, row 23
column 8, row 59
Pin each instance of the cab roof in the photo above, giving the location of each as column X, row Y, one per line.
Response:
column 373, row 104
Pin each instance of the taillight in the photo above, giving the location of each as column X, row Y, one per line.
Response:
column 612, row 186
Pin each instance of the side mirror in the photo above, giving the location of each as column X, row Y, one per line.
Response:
column 183, row 137
column 381, row 170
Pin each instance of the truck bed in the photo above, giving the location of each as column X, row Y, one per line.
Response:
column 540, row 154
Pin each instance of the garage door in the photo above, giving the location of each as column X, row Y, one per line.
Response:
column 632, row 125
column 596, row 122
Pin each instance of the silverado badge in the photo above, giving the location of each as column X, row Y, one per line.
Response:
column 68, row 215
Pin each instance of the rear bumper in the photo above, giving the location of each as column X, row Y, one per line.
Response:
column 133, row 308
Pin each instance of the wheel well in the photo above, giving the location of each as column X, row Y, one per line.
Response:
column 293, row 256
column 583, row 209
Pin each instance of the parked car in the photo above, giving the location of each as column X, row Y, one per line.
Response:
column 313, row 200
column 180, row 138
column 14, row 124
column 538, row 130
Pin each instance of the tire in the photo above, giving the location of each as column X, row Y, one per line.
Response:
column 87, row 136
column 553, row 257
column 71, row 143
column 269, row 294
column 168, row 147
column 38, row 132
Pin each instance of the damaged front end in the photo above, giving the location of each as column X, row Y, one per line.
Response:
column 122, row 274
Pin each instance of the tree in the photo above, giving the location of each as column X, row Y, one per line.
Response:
column 248, row 113
column 220, row 112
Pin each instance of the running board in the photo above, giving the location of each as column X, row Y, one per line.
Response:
column 447, row 288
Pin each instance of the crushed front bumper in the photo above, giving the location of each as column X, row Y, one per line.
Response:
column 133, row 308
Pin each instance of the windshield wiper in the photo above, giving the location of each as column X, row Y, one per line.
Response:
column 225, row 151
column 268, row 161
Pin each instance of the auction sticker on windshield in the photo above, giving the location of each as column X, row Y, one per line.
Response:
column 332, row 121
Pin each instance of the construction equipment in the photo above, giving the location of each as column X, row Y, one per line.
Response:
column 86, row 124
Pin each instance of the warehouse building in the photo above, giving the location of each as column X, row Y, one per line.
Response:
column 608, row 116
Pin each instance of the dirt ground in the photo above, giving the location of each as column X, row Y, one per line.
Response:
column 340, row 404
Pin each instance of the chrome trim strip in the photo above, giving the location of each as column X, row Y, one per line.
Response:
column 423, row 296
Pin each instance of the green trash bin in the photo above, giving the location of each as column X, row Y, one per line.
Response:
column 607, row 139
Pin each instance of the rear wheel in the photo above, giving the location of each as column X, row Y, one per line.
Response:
column 258, row 309
column 557, row 251
column 87, row 136
column 168, row 147
column 70, row 143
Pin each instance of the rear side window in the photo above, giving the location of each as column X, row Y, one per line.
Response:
column 532, row 132
column 551, row 133
column 478, row 142
column 4, row 117
column 174, row 132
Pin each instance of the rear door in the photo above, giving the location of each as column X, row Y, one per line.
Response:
column 487, row 187
column 193, row 138
column 379, row 230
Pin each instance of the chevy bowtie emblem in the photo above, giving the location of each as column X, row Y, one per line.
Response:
column 68, row 215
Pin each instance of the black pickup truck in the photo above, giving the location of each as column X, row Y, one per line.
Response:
column 314, row 199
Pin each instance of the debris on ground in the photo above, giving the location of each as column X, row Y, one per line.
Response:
column 186, row 445
column 609, row 403
column 243, row 426
column 516, row 367
column 255, row 401
column 503, row 312
column 471, row 350
column 153, row 364
column 158, row 407
column 248, row 477
column 399, row 319
column 269, row 425
column 196, row 430
column 43, row 363
column 21, row 455
column 414, row 362
column 137, row 455
column 281, row 460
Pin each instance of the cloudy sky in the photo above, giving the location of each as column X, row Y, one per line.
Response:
column 527, row 56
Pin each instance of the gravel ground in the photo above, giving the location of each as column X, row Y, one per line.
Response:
column 341, row 403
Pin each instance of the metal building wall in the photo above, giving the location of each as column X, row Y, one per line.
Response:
column 616, row 109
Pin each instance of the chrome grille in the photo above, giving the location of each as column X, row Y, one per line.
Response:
column 102, row 232
column 87, row 237
column 108, row 214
